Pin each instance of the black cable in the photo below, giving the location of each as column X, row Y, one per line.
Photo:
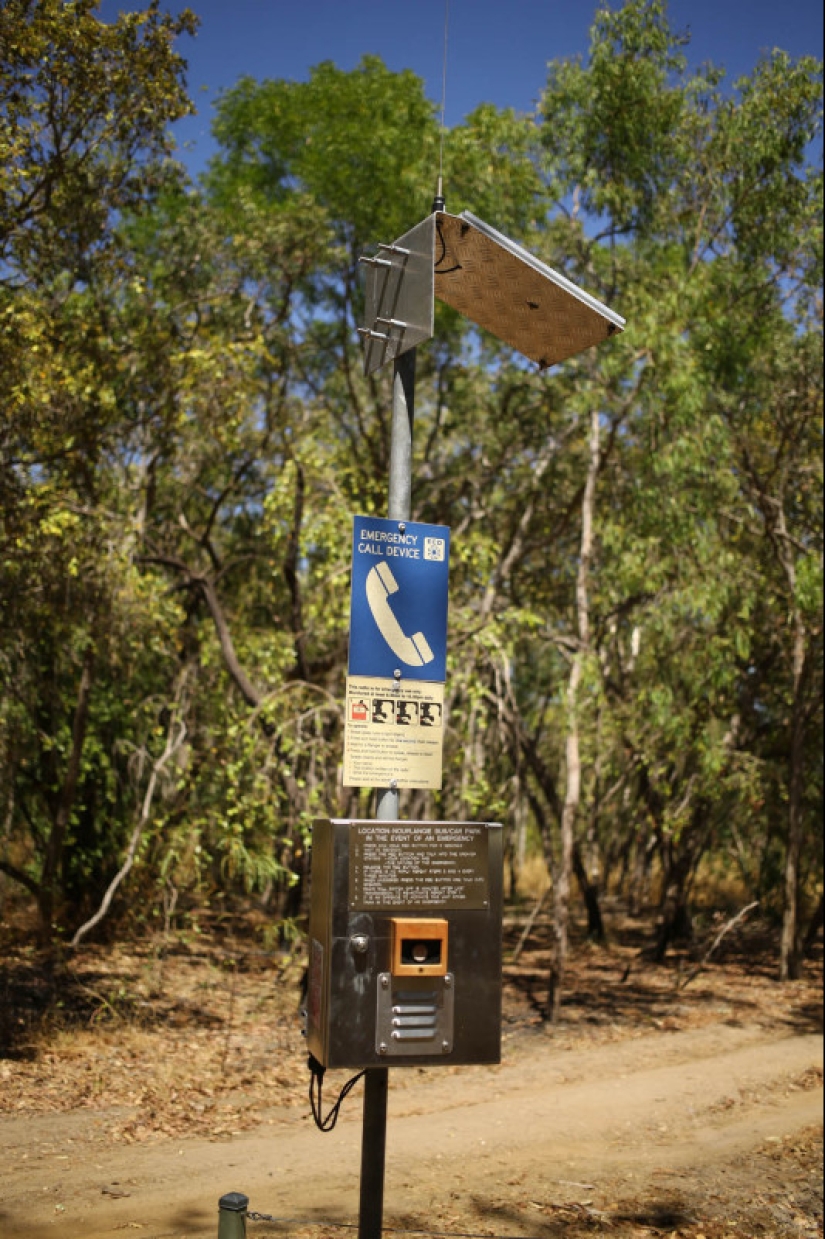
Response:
column 316, row 1085
column 443, row 254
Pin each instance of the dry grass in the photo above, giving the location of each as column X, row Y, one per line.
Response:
column 163, row 1037
column 533, row 879
column 179, row 1035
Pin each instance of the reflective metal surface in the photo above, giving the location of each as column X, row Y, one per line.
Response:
column 414, row 1016
column 399, row 296
column 488, row 278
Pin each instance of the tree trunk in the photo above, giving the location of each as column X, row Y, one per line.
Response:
column 791, row 947
column 641, row 850
column 590, row 895
column 676, row 922
column 681, row 861
column 56, row 842
column 561, row 878
column 814, row 928
column 572, row 796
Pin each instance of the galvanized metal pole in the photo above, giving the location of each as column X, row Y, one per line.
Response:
column 400, row 495
column 403, row 414
column 376, row 1081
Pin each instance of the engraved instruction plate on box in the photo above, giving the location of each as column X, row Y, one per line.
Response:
column 418, row 865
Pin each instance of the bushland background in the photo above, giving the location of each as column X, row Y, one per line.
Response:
column 635, row 640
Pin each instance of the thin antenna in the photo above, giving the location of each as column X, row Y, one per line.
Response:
column 438, row 201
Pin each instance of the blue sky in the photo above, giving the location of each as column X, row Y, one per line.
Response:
column 497, row 50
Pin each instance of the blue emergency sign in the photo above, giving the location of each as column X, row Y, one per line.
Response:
column 398, row 609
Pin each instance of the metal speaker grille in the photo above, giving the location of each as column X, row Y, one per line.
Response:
column 414, row 1019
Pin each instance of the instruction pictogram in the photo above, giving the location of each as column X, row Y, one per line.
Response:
column 393, row 733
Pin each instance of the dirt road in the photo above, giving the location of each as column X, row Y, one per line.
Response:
column 667, row 1132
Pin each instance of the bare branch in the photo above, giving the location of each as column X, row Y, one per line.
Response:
column 726, row 928
column 174, row 739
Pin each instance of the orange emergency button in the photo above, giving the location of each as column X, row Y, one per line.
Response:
column 419, row 946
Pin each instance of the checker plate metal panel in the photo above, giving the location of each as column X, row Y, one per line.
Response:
column 520, row 300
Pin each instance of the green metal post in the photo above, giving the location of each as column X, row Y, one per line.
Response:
column 232, row 1216
column 373, row 1153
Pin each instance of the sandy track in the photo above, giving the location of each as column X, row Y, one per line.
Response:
column 486, row 1145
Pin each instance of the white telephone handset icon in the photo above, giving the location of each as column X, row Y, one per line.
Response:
column 414, row 651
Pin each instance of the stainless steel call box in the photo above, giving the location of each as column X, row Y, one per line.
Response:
column 405, row 943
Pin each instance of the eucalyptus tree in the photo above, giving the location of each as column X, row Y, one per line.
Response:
column 636, row 576
column 84, row 110
column 703, row 218
column 639, row 658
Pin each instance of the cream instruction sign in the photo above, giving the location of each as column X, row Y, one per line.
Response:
column 394, row 732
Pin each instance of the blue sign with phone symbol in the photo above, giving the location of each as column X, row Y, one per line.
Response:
column 398, row 612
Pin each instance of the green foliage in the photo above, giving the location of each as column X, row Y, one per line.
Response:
column 83, row 114
column 615, row 131
column 188, row 433
column 356, row 144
